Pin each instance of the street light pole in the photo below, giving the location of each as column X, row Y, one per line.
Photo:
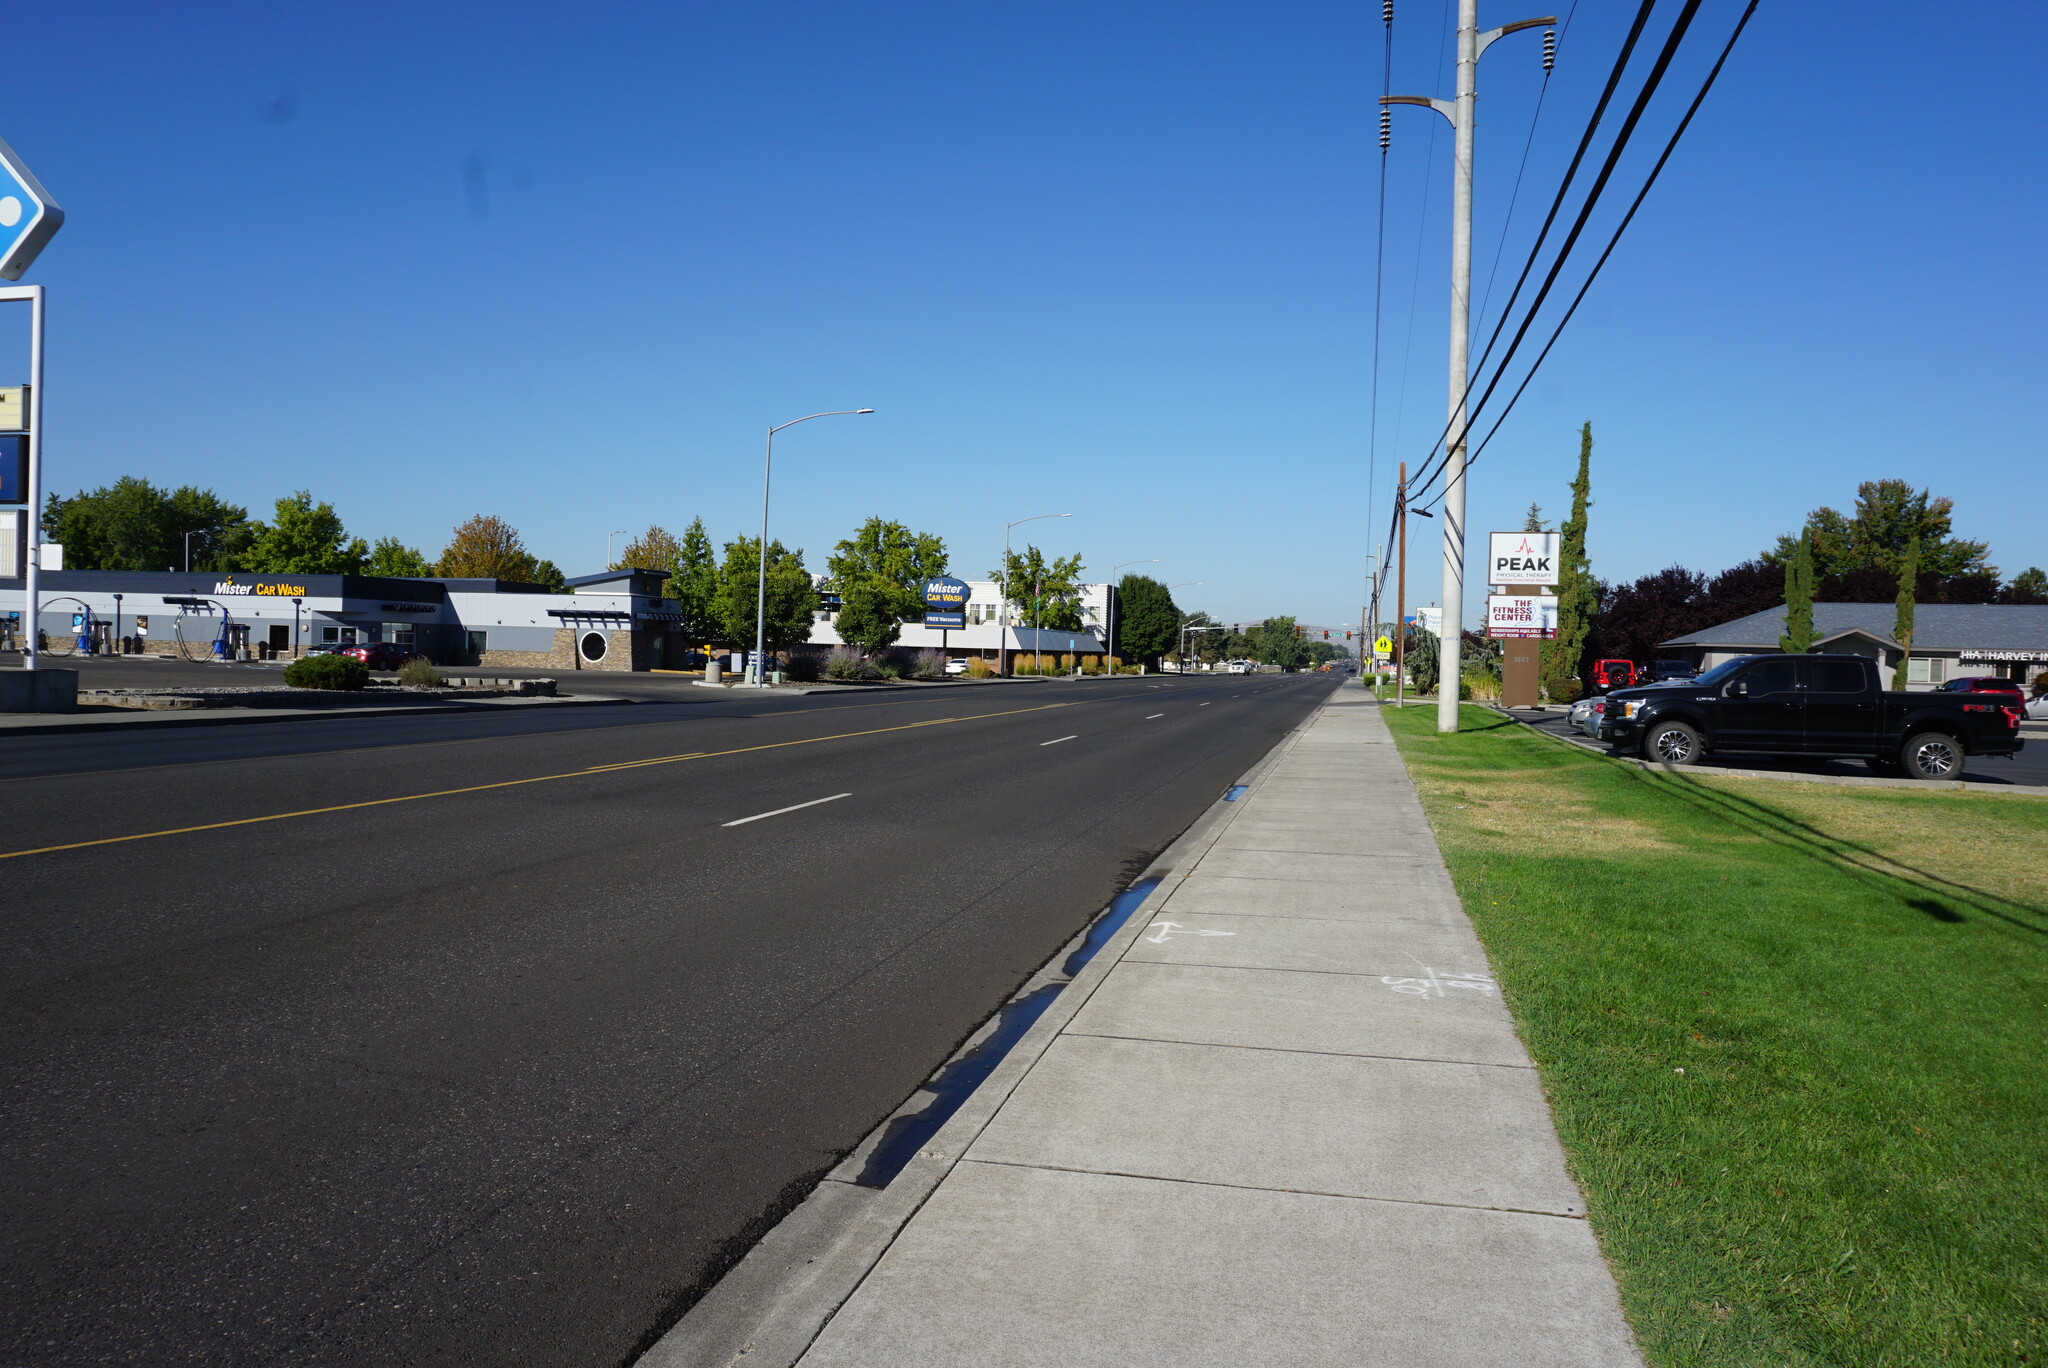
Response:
column 1109, row 646
column 1003, row 616
column 608, row 546
column 188, row 553
column 1461, row 112
column 1186, row 629
column 756, row 671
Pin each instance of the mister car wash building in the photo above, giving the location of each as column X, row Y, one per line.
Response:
column 1950, row 640
column 612, row 621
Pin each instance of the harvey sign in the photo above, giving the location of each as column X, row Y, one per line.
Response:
column 1521, row 558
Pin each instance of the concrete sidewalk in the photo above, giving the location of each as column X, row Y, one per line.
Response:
column 1292, row 1125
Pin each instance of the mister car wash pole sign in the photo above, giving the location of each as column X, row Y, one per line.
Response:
column 945, row 602
column 1521, row 558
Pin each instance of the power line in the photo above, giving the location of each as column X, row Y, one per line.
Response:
column 1621, row 228
column 1514, row 196
column 1614, row 153
column 1424, row 475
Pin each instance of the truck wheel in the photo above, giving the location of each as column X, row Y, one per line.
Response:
column 1932, row 755
column 1671, row 743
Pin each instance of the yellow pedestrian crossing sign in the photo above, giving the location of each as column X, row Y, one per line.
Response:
column 1383, row 647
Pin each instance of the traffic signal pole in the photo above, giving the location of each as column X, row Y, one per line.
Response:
column 1460, row 111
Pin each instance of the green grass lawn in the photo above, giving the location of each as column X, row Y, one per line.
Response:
column 1794, row 1035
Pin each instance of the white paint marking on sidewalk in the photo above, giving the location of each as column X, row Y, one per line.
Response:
column 1155, row 715
column 1173, row 928
column 1057, row 739
column 791, row 808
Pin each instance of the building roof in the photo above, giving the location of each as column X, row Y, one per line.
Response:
column 1050, row 639
column 1936, row 627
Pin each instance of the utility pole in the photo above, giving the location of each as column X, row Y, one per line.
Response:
column 1461, row 112
column 1401, row 595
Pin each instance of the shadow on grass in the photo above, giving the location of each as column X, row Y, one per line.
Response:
column 1802, row 837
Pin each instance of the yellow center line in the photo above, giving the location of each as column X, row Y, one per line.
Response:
column 515, row 783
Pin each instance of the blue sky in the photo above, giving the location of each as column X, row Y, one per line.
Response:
column 564, row 263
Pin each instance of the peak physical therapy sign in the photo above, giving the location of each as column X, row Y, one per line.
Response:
column 1521, row 558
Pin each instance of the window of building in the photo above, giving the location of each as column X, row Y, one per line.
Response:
column 476, row 645
column 1920, row 670
column 399, row 634
column 593, row 645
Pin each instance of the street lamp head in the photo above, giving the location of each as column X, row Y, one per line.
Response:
column 863, row 410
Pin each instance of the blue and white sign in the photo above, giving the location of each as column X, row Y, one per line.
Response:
column 945, row 601
column 29, row 218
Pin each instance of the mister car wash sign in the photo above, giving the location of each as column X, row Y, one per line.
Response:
column 29, row 218
column 1521, row 558
column 945, row 602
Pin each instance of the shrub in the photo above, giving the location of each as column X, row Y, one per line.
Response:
column 803, row 667
column 327, row 672
column 930, row 664
column 1480, row 686
column 844, row 663
column 419, row 673
column 977, row 668
column 1565, row 691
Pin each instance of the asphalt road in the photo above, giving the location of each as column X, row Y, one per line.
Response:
column 2030, row 766
column 487, row 1039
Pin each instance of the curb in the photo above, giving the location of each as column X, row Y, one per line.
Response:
column 210, row 717
column 771, row 1306
column 1841, row 780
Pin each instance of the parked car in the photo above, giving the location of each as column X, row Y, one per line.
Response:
column 1609, row 675
column 379, row 655
column 957, row 665
column 1663, row 670
column 1994, row 684
column 1585, row 713
column 1811, row 705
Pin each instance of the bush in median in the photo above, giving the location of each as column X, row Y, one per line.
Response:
column 327, row 672
column 419, row 673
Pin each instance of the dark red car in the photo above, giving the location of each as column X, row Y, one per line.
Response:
column 379, row 655
column 1993, row 684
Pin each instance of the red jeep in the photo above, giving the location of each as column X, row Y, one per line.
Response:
column 1609, row 675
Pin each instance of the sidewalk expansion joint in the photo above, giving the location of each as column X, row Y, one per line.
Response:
column 1297, row 1192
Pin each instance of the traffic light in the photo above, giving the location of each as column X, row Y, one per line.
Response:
column 1347, row 634
column 1326, row 634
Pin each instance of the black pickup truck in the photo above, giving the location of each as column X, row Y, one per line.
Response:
column 1814, row 705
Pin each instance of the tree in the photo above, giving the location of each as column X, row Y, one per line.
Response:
column 792, row 601
column 694, row 586
column 1889, row 515
column 1902, row 621
column 306, row 539
column 1277, row 641
column 133, row 525
column 1637, row 617
column 549, row 576
column 1147, row 620
column 1798, row 637
column 654, row 549
column 2028, row 586
column 1754, row 586
column 1533, row 520
column 487, row 547
column 879, row 574
column 1578, row 597
column 390, row 556
column 1046, row 593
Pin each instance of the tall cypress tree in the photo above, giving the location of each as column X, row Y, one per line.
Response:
column 1902, row 623
column 1577, row 600
column 1798, row 638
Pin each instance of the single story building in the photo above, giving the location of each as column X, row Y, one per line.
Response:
column 616, row 620
column 612, row 621
column 1950, row 640
column 983, row 635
